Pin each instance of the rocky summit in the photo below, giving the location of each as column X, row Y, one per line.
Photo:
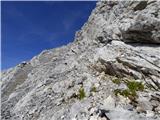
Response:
column 110, row 72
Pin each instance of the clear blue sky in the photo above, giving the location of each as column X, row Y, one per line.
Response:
column 30, row 27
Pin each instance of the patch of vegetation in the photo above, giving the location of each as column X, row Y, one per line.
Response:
column 93, row 89
column 135, row 86
column 117, row 81
column 117, row 91
column 131, row 91
column 81, row 94
column 125, row 93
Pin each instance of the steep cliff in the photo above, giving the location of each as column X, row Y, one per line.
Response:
column 110, row 72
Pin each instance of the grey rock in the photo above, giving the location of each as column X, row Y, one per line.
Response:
column 120, row 38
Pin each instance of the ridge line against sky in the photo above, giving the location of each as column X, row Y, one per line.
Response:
column 49, row 0
column 28, row 27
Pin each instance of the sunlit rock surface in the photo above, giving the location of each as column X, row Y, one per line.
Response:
column 110, row 72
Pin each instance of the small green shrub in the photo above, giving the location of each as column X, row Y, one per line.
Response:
column 117, row 91
column 131, row 91
column 93, row 89
column 117, row 81
column 135, row 86
column 126, row 93
column 81, row 94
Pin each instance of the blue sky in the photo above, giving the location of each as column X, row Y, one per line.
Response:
column 30, row 27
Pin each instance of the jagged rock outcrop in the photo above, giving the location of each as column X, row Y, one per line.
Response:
column 110, row 72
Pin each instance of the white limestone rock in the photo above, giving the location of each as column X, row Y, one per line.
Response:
column 120, row 38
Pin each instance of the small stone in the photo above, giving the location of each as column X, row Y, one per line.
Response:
column 109, row 103
column 122, row 86
column 140, row 109
column 73, row 119
column 124, row 100
column 94, row 117
column 92, row 110
column 62, row 117
column 149, row 113
column 157, row 109
column 96, row 85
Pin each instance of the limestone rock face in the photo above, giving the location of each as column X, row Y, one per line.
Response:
column 110, row 72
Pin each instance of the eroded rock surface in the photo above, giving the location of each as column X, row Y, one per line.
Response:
column 110, row 72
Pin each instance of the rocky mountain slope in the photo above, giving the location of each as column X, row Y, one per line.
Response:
column 110, row 72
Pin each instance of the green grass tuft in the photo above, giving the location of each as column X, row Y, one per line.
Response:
column 93, row 89
column 135, row 86
column 117, row 81
column 81, row 94
column 131, row 91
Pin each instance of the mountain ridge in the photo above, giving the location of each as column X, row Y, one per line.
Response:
column 110, row 72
